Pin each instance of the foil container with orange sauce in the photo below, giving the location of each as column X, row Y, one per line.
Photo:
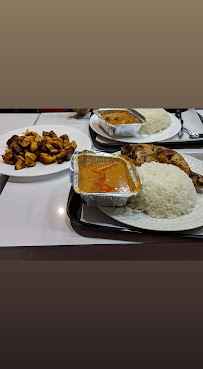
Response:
column 120, row 130
column 118, row 199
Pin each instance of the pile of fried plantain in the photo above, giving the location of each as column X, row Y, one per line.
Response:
column 24, row 151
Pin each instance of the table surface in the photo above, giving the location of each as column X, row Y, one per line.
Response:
column 33, row 211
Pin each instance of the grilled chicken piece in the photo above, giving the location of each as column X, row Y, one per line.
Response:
column 141, row 153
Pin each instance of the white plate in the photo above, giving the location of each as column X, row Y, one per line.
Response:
column 167, row 133
column 82, row 140
column 182, row 223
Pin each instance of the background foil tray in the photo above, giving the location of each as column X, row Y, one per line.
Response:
column 102, row 143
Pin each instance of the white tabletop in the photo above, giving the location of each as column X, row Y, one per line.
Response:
column 9, row 122
column 41, row 204
column 33, row 212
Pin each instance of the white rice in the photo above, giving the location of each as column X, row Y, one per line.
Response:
column 167, row 191
column 156, row 120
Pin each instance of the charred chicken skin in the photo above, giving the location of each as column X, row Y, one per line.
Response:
column 141, row 153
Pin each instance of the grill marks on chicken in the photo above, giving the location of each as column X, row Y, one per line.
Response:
column 141, row 153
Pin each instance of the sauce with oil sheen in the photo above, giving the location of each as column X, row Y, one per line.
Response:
column 120, row 117
column 108, row 177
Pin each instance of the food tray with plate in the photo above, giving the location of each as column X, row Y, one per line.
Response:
column 191, row 118
column 101, row 226
column 104, row 225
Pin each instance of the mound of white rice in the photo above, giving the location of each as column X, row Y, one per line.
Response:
column 167, row 191
column 156, row 120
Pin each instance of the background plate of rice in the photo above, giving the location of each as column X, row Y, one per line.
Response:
column 192, row 220
column 164, row 134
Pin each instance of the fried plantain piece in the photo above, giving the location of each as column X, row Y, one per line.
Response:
column 50, row 134
column 30, row 155
column 46, row 139
column 22, row 142
column 7, row 159
column 71, row 144
column 46, row 158
column 30, row 159
column 52, row 150
column 20, row 163
column 34, row 146
column 9, row 153
column 15, row 157
column 66, row 144
column 57, row 144
column 60, row 161
column 20, row 157
column 44, row 147
column 69, row 153
column 29, row 162
column 61, row 157
column 54, row 139
column 14, row 146
column 11, row 139
column 29, row 138
column 10, row 156
column 65, row 137
column 38, row 153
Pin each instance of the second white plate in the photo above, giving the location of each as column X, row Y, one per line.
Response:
column 167, row 133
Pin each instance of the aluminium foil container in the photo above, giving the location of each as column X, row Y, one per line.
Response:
column 87, row 158
column 120, row 130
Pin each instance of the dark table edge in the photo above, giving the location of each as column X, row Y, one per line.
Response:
column 130, row 252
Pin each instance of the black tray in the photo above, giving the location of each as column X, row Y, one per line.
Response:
column 118, row 231
column 112, row 147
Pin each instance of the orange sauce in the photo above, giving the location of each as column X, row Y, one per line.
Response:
column 120, row 117
column 108, row 177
